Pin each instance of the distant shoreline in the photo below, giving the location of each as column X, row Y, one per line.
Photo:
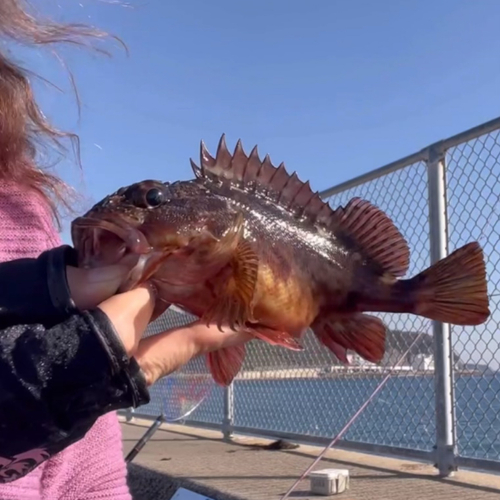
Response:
column 338, row 374
column 315, row 374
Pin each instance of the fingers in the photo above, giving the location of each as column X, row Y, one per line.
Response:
column 89, row 287
column 163, row 354
column 210, row 338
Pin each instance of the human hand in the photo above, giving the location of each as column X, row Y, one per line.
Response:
column 162, row 354
column 90, row 287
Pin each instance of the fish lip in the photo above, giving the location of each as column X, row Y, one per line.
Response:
column 86, row 230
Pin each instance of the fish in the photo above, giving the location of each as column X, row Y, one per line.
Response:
column 247, row 245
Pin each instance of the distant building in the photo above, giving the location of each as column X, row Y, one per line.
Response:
column 423, row 362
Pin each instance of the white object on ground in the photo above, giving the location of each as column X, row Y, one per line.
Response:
column 329, row 481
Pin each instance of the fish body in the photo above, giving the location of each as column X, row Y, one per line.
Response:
column 248, row 245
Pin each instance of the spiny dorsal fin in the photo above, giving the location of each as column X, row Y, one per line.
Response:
column 254, row 174
column 375, row 233
column 371, row 229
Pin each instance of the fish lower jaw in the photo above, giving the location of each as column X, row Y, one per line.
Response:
column 138, row 272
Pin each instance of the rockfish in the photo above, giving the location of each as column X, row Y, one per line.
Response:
column 248, row 245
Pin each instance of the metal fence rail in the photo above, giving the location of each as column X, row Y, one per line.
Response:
column 443, row 405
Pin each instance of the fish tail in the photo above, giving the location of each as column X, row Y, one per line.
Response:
column 453, row 290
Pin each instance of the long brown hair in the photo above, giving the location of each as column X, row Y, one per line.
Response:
column 24, row 130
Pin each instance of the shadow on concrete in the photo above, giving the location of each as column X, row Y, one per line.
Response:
column 147, row 484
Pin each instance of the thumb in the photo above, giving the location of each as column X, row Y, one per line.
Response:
column 89, row 287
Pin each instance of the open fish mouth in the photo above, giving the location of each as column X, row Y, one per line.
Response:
column 102, row 242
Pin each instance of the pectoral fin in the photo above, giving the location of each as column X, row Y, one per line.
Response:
column 234, row 289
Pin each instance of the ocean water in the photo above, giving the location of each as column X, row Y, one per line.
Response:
column 401, row 415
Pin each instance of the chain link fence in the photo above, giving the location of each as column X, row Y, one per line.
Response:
column 310, row 394
column 473, row 178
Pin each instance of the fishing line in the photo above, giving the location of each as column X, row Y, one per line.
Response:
column 352, row 419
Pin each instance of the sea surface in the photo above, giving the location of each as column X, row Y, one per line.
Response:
column 401, row 415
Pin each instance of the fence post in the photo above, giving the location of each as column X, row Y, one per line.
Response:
column 228, row 419
column 445, row 448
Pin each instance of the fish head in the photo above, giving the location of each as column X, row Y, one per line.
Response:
column 124, row 225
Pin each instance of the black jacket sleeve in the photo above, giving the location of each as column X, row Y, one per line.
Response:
column 60, row 369
column 36, row 290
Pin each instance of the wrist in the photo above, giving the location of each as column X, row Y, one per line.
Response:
column 130, row 313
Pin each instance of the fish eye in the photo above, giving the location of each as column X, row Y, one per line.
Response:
column 154, row 197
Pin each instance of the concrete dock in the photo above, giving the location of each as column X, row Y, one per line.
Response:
column 201, row 461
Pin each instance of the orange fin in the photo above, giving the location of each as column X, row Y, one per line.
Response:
column 374, row 234
column 233, row 304
column 454, row 290
column 361, row 333
column 276, row 337
column 226, row 363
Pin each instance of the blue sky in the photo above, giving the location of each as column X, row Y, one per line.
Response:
column 332, row 88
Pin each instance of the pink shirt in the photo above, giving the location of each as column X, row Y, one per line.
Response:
column 93, row 468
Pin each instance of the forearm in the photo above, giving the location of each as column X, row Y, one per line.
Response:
column 56, row 382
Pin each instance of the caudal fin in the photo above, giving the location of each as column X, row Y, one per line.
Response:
column 454, row 290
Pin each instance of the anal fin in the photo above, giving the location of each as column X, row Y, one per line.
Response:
column 235, row 289
column 276, row 337
column 361, row 333
column 226, row 363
